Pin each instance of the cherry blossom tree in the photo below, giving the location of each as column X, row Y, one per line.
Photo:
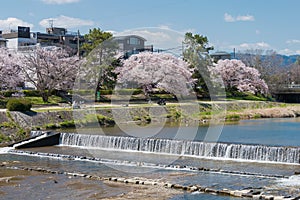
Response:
column 268, row 63
column 49, row 68
column 10, row 75
column 159, row 70
column 238, row 77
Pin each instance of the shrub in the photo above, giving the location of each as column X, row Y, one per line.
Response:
column 67, row 124
column 129, row 91
column 21, row 105
column 4, row 138
column 3, row 103
column 31, row 93
column 51, row 126
column 106, row 92
column 233, row 117
column 101, row 119
column 7, row 93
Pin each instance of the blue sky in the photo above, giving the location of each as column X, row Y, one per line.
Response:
column 240, row 24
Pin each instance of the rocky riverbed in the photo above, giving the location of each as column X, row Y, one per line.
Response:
column 33, row 184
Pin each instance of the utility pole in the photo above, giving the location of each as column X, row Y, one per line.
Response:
column 233, row 53
column 78, row 46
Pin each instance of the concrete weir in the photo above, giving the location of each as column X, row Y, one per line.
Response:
column 47, row 139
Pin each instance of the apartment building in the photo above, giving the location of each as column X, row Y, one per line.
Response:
column 22, row 39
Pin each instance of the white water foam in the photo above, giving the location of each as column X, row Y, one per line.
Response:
column 5, row 150
column 293, row 181
column 219, row 151
column 33, row 139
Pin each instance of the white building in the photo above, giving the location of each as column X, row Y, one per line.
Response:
column 20, row 39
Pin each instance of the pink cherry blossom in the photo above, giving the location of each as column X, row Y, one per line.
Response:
column 49, row 69
column 236, row 75
column 10, row 75
column 160, row 70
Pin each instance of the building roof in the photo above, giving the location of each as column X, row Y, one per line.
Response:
column 220, row 53
column 128, row 36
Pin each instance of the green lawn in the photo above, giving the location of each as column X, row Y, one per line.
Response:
column 39, row 101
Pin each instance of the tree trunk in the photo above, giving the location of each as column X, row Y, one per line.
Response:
column 45, row 96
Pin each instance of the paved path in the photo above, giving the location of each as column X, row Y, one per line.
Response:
column 109, row 105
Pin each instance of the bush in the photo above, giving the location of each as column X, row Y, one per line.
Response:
column 233, row 117
column 31, row 93
column 7, row 93
column 106, row 92
column 4, row 138
column 21, row 105
column 129, row 91
column 67, row 124
column 94, row 119
column 3, row 103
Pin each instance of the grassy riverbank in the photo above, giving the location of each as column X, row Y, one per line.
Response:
column 16, row 125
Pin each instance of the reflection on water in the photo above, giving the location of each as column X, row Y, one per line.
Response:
column 253, row 167
column 278, row 132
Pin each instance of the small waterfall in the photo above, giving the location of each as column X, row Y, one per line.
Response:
column 37, row 133
column 189, row 148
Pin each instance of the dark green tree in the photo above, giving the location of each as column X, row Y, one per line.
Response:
column 95, row 37
column 195, row 52
column 97, row 73
column 100, row 51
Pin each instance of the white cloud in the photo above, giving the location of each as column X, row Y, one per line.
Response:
column 13, row 23
column 230, row 18
column 247, row 46
column 66, row 22
column 262, row 45
column 245, row 18
column 289, row 52
column 257, row 32
column 60, row 1
column 113, row 32
column 293, row 42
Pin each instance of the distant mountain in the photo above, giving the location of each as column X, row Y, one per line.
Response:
column 286, row 60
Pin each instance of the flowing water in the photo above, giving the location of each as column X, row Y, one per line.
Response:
column 249, row 154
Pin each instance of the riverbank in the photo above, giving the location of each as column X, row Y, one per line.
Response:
column 15, row 126
column 274, row 111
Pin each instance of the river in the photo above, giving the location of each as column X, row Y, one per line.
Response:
column 262, row 153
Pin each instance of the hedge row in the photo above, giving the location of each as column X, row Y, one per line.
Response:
column 21, row 105
column 36, row 93
column 28, row 93
column 3, row 103
column 7, row 93
column 110, row 92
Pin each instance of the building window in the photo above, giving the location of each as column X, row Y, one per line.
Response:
column 134, row 41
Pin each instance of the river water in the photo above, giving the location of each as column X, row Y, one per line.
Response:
column 230, row 160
